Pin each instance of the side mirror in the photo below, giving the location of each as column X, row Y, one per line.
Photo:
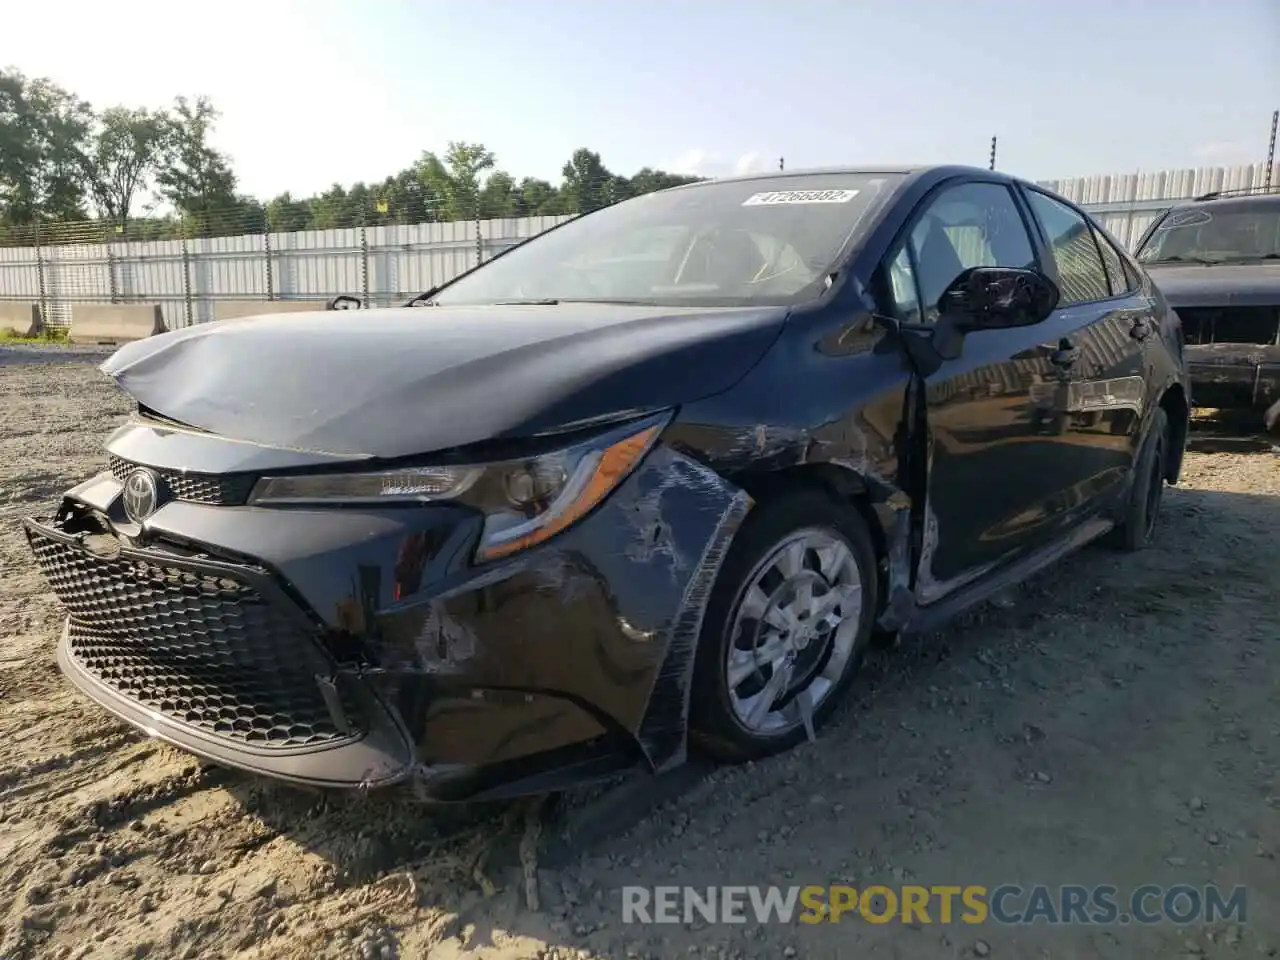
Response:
column 996, row 298
column 343, row 301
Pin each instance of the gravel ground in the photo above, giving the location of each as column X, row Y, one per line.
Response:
column 1114, row 721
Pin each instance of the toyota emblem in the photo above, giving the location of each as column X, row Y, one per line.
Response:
column 141, row 495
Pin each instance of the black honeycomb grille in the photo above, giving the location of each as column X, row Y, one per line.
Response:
column 228, row 490
column 200, row 648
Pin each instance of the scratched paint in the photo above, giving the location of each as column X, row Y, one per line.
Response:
column 662, row 732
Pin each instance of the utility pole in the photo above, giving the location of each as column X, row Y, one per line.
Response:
column 1271, row 147
column 992, row 164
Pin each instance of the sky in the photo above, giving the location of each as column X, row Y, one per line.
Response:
column 315, row 92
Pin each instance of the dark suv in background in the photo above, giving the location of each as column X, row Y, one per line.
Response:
column 1217, row 261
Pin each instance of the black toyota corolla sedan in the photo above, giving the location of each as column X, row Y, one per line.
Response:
column 656, row 477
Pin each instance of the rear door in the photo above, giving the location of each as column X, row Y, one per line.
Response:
column 995, row 468
column 1104, row 323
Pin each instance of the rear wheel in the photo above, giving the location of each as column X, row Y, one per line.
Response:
column 1138, row 526
column 786, row 625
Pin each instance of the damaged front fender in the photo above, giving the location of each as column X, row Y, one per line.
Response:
column 603, row 621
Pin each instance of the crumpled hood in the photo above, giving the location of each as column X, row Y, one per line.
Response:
column 1229, row 285
column 399, row 382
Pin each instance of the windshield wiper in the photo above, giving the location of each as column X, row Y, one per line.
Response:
column 554, row 301
column 422, row 299
column 1177, row 259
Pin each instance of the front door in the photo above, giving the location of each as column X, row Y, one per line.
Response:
column 996, row 460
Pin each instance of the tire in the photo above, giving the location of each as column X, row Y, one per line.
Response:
column 1136, row 529
column 761, row 574
column 1271, row 419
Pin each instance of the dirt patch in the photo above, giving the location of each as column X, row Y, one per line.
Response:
column 1113, row 722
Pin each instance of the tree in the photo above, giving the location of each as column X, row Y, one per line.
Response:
column 126, row 151
column 437, row 190
column 499, row 196
column 43, row 130
column 588, row 184
column 453, row 185
column 404, row 197
column 331, row 209
column 647, row 180
column 466, row 162
column 287, row 215
column 193, row 176
column 539, row 198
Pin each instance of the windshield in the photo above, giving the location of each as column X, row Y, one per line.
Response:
column 1239, row 232
column 733, row 243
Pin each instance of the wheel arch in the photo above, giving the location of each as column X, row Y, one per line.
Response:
column 1177, row 407
column 845, row 484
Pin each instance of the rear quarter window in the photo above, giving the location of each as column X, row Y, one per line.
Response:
column 1121, row 280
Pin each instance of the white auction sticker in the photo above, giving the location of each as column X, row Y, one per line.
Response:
column 799, row 196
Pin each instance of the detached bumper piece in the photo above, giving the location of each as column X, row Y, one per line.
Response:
column 1234, row 375
column 212, row 657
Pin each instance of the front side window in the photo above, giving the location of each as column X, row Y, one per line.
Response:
column 1228, row 231
column 970, row 225
column 1081, row 274
column 902, row 287
column 772, row 240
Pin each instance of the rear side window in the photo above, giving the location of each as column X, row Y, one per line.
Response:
column 1080, row 271
column 1117, row 276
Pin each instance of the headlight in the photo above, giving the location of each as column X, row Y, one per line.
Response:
column 523, row 501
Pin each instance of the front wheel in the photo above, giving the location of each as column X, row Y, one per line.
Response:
column 786, row 625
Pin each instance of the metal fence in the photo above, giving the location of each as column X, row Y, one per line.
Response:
column 1127, row 203
column 188, row 276
column 188, row 271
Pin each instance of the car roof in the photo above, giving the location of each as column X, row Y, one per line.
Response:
column 906, row 170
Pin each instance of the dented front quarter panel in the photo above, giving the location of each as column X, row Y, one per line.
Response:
column 595, row 632
column 829, row 404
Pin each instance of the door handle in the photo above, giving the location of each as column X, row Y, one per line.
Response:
column 1066, row 355
column 1141, row 329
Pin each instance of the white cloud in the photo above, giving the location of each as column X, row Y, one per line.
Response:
column 691, row 163
column 750, row 163
column 699, row 162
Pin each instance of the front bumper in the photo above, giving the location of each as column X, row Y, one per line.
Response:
column 302, row 645
column 1234, row 375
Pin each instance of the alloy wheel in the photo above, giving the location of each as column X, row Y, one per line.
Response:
column 794, row 631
